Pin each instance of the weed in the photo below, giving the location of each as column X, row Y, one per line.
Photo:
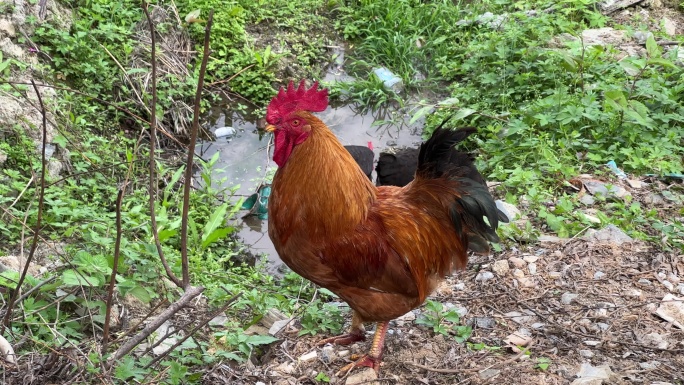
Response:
column 444, row 321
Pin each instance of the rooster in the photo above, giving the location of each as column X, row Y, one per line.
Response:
column 382, row 250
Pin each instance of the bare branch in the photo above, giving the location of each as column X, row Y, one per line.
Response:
column 41, row 198
column 153, row 145
column 112, row 279
column 129, row 345
column 191, row 154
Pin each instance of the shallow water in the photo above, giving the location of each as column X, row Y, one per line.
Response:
column 243, row 160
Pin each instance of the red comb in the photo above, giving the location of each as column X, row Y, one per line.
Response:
column 298, row 98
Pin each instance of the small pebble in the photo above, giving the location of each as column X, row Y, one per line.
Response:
column 586, row 353
column 517, row 262
column 567, row 298
column 592, row 343
column 644, row 281
column 599, row 275
column 532, row 268
column 309, row 356
column 530, row 258
column 517, row 273
column 668, row 285
column 484, row 276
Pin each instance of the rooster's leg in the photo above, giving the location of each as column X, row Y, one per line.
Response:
column 356, row 333
column 374, row 357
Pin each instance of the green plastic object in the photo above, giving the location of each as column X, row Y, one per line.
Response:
column 257, row 203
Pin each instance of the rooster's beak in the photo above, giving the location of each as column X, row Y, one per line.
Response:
column 269, row 128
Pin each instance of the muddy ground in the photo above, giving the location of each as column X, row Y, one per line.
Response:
column 587, row 301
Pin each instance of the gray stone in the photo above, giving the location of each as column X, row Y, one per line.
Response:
column 501, row 268
column 587, row 199
column 484, row 322
column 567, row 298
column 669, row 26
column 484, row 276
column 510, row 211
column 609, row 234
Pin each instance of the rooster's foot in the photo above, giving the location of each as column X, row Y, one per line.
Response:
column 345, row 339
column 365, row 360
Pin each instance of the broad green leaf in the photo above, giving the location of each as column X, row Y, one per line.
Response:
column 463, row 113
column 72, row 278
column 216, row 235
column 652, row 48
column 141, row 293
column 215, row 221
column 662, row 62
column 260, row 340
column 631, row 67
column 420, row 113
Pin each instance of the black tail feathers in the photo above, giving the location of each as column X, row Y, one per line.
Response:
column 474, row 212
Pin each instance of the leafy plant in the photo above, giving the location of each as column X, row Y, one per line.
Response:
column 444, row 321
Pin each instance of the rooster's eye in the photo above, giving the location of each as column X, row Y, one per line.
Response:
column 295, row 122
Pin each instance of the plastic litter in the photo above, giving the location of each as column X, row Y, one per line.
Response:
column 257, row 203
column 616, row 170
column 389, row 79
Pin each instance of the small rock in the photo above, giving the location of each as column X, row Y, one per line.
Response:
column 668, row 285
column 285, row 368
column 519, row 318
column 634, row 293
column 256, row 330
column 680, row 288
column 222, row 132
column 592, row 375
column 555, row 274
column 530, row 258
column 671, row 309
column 259, row 383
column 641, row 37
column 365, row 376
column 517, row 273
column 650, row 365
column 532, row 268
column 644, row 281
column 599, row 275
column 544, row 238
column 607, row 190
column 484, row 276
column 602, row 326
column 343, row 353
column 527, row 282
column 461, row 310
column 654, row 199
column 219, row 320
column 459, row 286
column 484, row 322
column 278, row 326
column 669, row 26
column 489, row 373
column 673, row 278
column 610, row 234
column 592, row 343
column 510, row 211
column 308, row 356
column 587, row 199
column 328, row 354
column 517, row 262
column 501, row 268
column 586, row 353
column 633, row 183
column 655, row 339
column 567, row 298
column 591, row 218
column 272, row 315
column 538, row 325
